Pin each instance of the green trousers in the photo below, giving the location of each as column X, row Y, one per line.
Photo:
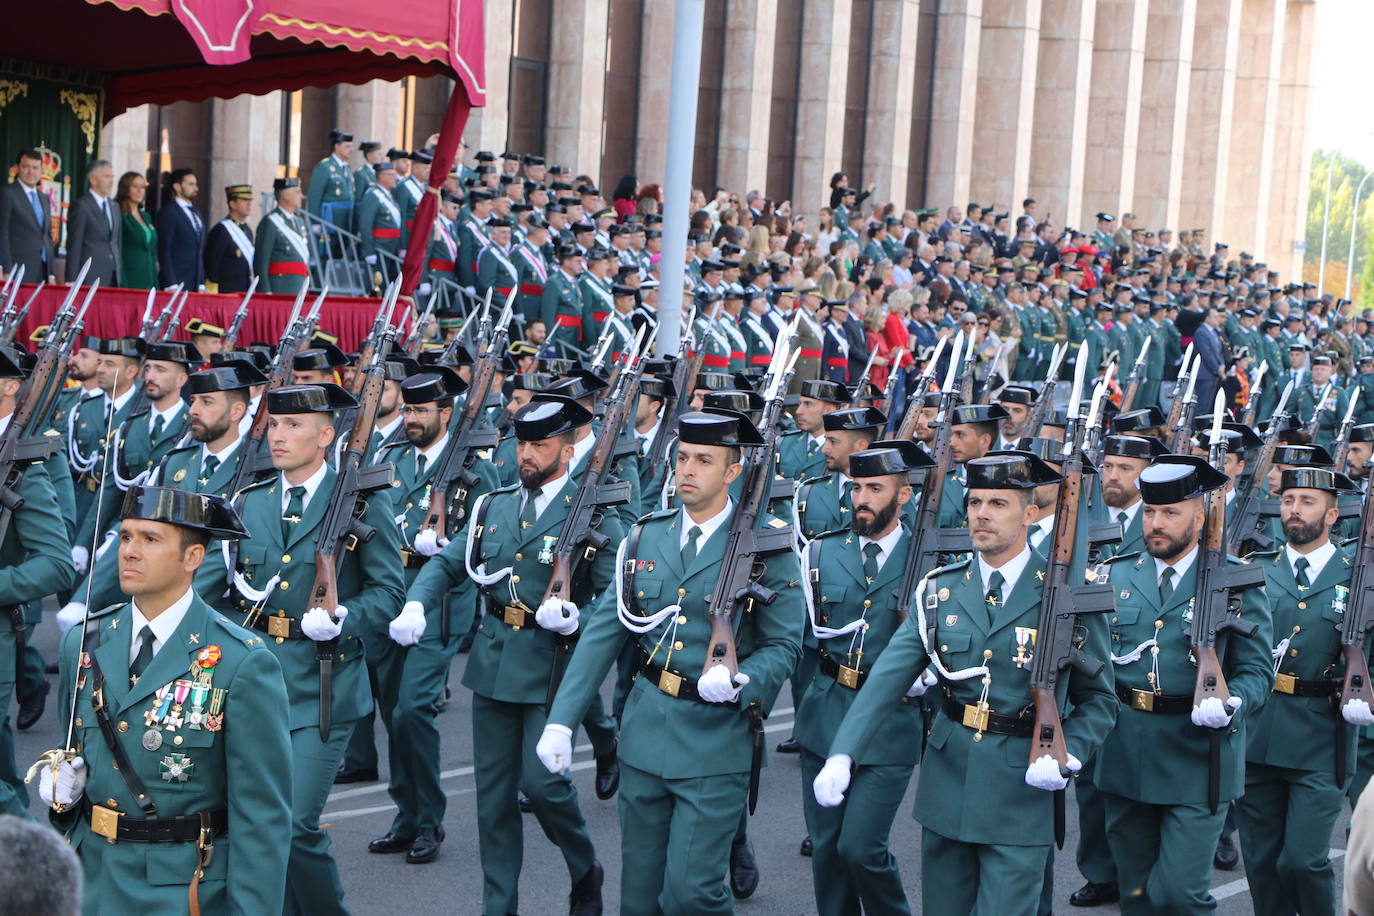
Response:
column 805, row 672
column 1286, row 818
column 1163, row 855
column 980, row 880
column 675, row 837
column 850, row 859
column 13, row 800
column 413, row 687
column 361, row 751
column 312, row 876
column 503, row 759
column 1094, row 856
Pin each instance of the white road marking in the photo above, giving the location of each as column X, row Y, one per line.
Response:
column 1242, row 885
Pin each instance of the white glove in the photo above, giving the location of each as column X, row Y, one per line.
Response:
column 409, row 625
column 423, row 289
column 1357, row 712
column 923, row 683
column 69, row 786
column 832, row 781
column 715, row 685
column 555, row 749
column 1212, row 714
column 371, row 259
column 559, row 616
column 81, row 558
column 428, row 542
column 317, row 625
column 71, row 614
column 1044, row 773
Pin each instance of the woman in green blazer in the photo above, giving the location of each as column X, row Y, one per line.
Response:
column 138, row 253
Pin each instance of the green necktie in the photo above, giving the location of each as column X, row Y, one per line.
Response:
column 690, row 553
column 871, row 551
column 1300, row 573
column 208, row 469
column 1121, row 520
column 527, row 512
column 157, row 427
column 144, row 656
column 844, row 494
column 994, row 595
column 420, row 461
column 295, row 508
column 1166, row 584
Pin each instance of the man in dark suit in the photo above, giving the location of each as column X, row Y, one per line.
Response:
column 229, row 247
column 26, row 221
column 1208, row 345
column 181, row 235
column 94, row 228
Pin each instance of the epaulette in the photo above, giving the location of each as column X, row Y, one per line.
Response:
column 1347, row 542
column 177, row 449
column 815, row 480
column 397, row 444
column 952, row 567
column 831, row 534
column 105, row 611
column 1119, row 557
column 256, row 484
column 244, row 635
column 791, row 432
column 512, row 488
column 656, row 515
column 1261, row 555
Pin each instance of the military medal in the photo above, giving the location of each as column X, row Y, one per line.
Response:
column 85, row 659
column 1025, row 636
column 215, row 720
column 951, row 619
column 944, row 594
column 175, row 768
column 1338, row 603
column 196, row 717
column 546, row 552
column 425, row 500
column 208, row 657
column 152, row 739
column 153, row 715
column 174, row 718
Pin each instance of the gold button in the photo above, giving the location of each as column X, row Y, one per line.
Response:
column 1297, row 629
column 641, row 593
column 123, row 726
column 1302, row 605
column 341, row 656
column 521, row 556
column 515, row 579
column 176, row 740
column 1159, row 624
column 682, row 618
column 280, row 640
column 284, row 586
column 865, row 624
column 944, row 648
column 111, row 803
column 78, row 721
column 1293, row 652
column 987, row 653
column 286, row 558
column 868, row 603
column 677, row 646
column 682, row 593
column 977, row 736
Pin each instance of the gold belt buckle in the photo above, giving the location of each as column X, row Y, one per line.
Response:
column 92, row 484
column 976, row 716
column 514, row 617
column 848, row 677
column 1143, row 700
column 670, row 683
column 105, row 822
column 279, row 627
column 1285, row 683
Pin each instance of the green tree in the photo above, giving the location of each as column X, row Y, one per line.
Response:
column 1346, row 174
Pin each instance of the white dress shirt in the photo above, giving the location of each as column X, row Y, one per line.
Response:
column 1180, row 568
column 886, row 544
column 707, row 527
column 163, row 625
column 547, row 491
column 1316, row 560
column 311, row 486
column 1010, row 570
column 431, row 454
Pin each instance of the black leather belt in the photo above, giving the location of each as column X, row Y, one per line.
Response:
column 116, row 825
column 845, row 676
column 677, row 685
column 1149, row 701
column 1304, row 687
column 971, row 716
column 276, row 625
column 517, row 618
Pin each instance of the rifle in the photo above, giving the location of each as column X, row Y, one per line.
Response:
column 894, row 362
column 689, row 367
column 1355, row 627
column 1215, row 608
column 859, row 390
column 1314, row 425
column 1180, row 421
column 966, row 373
column 1180, row 385
column 1042, row 406
column 1342, row 448
column 1133, row 380
column 1061, row 602
column 66, row 329
column 174, row 322
column 1256, row 389
column 667, row 421
column 415, row 339
column 474, row 318
column 1247, row 520
column 379, row 325
column 1094, row 428
column 912, row 418
column 231, row 336
column 580, row 537
column 737, row 581
column 342, row 528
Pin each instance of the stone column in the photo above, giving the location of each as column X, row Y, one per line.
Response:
column 1253, row 131
column 487, row 126
column 821, row 88
column 954, row 97
column 371, row 111
column 1211, row 103
column 124, row 142
column 655, row 80
column 577, row 84
column 1292, row 148
column 1114, row 106
column 746, row 95
column 1060, row 141
column 1163, row 112
column 891, row 94
column 1007, row 58
column 247, row 137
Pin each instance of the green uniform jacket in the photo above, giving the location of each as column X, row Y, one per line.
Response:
column 275, row 248
column 841, row 596
column 595, row 298
column 561, row 307
column 88, row 429
column 675, row 737
column 378, row 225
column 330, row 183
column 512, row 665
column 1337, row 402
column 799, row 457
column 496, row 271
column 472, row 238
column 35, row 558
column 138, row 452
column 243, row 766
column 363, row 179
column 974, row 791
column 1299, row 732
column 370, row 586
column 1161, row 758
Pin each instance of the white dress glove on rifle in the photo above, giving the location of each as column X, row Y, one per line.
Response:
column 72, row 613
column 559, row 616
column 923, row 683
column 428, row 542
column 81, row 558
column 409, row 625
column 317, row 626
column 1357, row 712
column 68, row 786
column 1211, row 713
column 716, row 686
column 555, row 748
column 1044, row 773
column 832, row 781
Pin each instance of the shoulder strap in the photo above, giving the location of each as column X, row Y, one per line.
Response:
column 107, row 728
column 479, row 523
column 631, row 551
column 813, row 564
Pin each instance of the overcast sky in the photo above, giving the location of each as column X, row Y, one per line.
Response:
column 1342, row 111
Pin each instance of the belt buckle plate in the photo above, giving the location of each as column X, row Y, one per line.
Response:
column 514, row 617
column 848, row 677
column 1143, row 700
column 105, row 822
column 976, row 716
column 279, row 627
column 670, row 683
column 1285, row 683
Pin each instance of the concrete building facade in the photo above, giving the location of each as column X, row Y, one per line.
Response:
column 1190, row 113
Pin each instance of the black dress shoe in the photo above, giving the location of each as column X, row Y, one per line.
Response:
column 585, row 899
column 426, row 845
column 31, row 707
column 346, row 776
column 525, row 806
column 806, row 846
column 790, row 746
column 1095, row 894
column 744, row 870
column 1227, row 857
column 50, row 668
column 391, row 842
column 608, row 773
